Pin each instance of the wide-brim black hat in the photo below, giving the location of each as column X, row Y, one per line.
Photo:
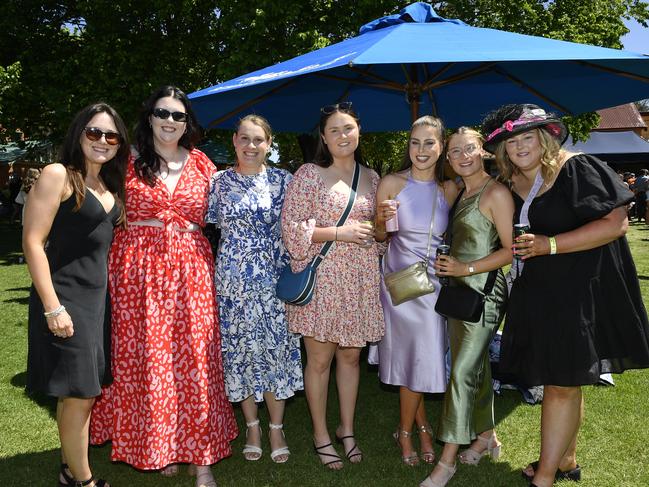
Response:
column 510, row 120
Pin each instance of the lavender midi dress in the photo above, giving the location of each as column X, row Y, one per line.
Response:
column 412, row 352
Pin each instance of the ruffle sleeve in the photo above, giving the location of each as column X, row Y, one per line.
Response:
column 592, row 187
column 298, row 213
column 204, row 164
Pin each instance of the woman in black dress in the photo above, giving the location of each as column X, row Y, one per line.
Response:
column 73, row 207
column 575, row 311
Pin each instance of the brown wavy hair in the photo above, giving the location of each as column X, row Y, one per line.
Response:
column 113, row 172
column 428, row 121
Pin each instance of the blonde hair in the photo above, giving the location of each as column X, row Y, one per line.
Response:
column 471, row 132
column 551, row 153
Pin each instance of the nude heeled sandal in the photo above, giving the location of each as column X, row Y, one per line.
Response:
column 252, row 453
column 472, row 457
column 411, row 460
column 449, row 471
column 281, row 451
column 427, row 456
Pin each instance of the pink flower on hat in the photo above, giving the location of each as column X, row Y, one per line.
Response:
column 508, row 125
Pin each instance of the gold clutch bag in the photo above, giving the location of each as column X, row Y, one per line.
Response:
column 408, row 283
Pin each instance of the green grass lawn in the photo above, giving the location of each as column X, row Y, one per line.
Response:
column 612, row 446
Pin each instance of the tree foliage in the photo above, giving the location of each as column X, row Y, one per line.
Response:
column 57, row 56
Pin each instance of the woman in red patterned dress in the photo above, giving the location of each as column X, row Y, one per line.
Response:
column 167, row 404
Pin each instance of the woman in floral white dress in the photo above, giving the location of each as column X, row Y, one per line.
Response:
column 261, row 358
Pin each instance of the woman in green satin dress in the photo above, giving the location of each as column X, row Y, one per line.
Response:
column 482, row 241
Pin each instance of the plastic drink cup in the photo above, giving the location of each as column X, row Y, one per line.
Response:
column 370, row 241
column 392, row 225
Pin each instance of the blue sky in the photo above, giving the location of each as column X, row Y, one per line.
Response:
column 637, row 40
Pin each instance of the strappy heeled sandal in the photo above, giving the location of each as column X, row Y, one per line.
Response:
column 573, row 475
column 449, row 471
column 354, row 451
column 427, row 456
column 252, row 453
column 411, row 460
column 203, row 478
column 323, row 454
column 89, row 482
column 170, row 470
column 492, row 449
column 281, row 451
column 69, row 481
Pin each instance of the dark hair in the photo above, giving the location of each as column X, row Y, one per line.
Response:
column 113, row 172
column 148, row 160
column 428, row 121
column 322, row 155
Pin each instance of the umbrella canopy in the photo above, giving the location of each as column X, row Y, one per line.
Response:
column 416, row 63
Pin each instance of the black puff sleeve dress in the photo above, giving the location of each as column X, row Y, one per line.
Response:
column 574, row 316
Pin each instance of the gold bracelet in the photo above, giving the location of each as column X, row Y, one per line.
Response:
column 553, row 245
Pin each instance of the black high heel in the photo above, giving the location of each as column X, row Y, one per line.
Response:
column 69, row 481
column 86, row 483
column 573, row 475
column 321, row 454
column 350, row 453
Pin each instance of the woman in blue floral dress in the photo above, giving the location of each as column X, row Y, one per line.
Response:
column 260, row 357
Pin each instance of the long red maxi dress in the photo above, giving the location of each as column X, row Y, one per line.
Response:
column 167, row 403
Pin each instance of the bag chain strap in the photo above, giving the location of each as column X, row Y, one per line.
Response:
column 430, row 231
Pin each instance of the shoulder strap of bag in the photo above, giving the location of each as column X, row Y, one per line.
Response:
column 432, row 221
column 491, row 279
column 343, row 218
column 430, row 232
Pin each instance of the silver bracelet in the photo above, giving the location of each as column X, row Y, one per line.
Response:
column 55, row 312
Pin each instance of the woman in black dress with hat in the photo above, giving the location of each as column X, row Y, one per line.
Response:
column 73, row 207
column 575, row 311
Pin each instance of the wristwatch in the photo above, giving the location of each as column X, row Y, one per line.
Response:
column 471, row 269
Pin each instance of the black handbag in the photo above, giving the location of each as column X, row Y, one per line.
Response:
column 462, row 302
column 297, row 287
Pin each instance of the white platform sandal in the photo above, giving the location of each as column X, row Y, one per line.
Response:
column 283, row 451
column 252, row 453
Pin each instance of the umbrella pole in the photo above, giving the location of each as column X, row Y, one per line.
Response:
column 414, row 110
column 413, row 93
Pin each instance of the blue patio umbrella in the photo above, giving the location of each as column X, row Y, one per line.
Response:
column 416, row 62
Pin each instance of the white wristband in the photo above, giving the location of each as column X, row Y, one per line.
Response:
column 54, row 312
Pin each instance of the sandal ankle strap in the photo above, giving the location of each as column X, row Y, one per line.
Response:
column 253, row 423
column 276, row 426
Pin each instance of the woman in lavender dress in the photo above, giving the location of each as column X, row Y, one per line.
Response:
column 411, row 355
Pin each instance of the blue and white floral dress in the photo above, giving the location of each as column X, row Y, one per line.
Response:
column 259, row 353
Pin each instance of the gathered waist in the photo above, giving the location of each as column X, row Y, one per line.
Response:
column 193, row 227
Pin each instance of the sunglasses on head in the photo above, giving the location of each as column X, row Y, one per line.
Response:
column 329, row 109
column 94, row 134
column 164, row 115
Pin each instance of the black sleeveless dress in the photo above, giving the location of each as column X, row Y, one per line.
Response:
column 77, row 252
column 574, row 316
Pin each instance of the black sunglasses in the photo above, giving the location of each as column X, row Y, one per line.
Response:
column 329, row 109
column 164, row 115
column 94, row 134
